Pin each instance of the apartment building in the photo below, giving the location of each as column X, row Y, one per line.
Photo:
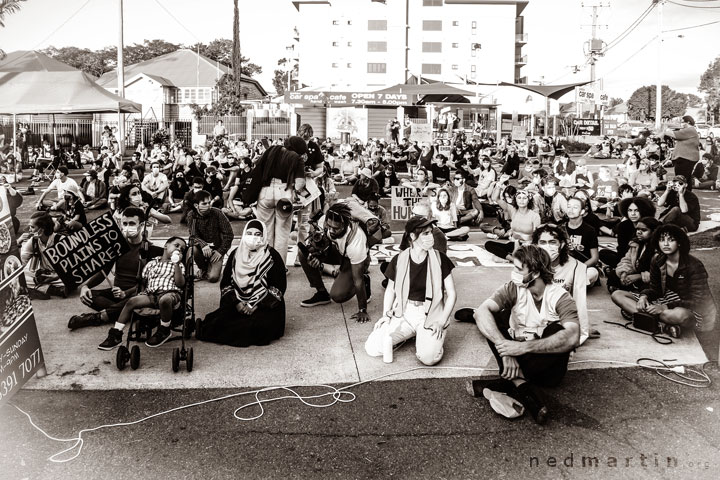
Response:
column 368, row 44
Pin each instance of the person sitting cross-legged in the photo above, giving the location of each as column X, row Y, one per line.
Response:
column 164, row 277
column 678, row 293
column 531, row 326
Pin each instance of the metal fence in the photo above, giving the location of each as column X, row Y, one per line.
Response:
column 273, row 128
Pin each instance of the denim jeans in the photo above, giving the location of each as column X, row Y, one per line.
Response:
column 278, row 224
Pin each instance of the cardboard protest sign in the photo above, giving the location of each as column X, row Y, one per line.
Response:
column 445, row 150
column 519, row 133
column 79, row 256
column 402, row 201
column 421, row 132
column 20, row 353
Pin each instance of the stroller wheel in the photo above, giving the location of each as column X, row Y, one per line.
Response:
column 189, row 360
column 122, row 357
column 673, row 331
column 176, row 360
column 135, row 357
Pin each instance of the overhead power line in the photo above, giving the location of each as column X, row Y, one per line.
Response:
column 177, row 21
column 631, row 56
column 630, row 28
column 691, row 6
column 692, row 26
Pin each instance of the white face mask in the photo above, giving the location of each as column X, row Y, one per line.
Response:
column 58, row 175
column 519, row 280
column 552, row 250
column 549, row 192
column 130, row 232
column 253, row 242
column 426, row 242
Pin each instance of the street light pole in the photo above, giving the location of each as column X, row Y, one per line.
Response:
column 121, row 82
column 658, row 88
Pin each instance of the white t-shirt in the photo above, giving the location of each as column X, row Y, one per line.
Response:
column 62, row 187
column 356, row 250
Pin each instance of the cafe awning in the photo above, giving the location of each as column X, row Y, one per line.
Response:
column 549, row 91
column 426, row 89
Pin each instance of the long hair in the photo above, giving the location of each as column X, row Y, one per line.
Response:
column 560, row 235
column 676, row 233
column 644, row 206
column 537, row 260
column 439, row 205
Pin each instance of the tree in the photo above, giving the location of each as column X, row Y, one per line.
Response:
column 236, row 57
column 710, row 85
column 140, row 52
column 641, row 105
column 220, row 50
column 94, row 63
column 6, row 8
column 615, row 101
column 280, row 81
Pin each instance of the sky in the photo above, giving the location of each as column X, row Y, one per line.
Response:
column 557, row 31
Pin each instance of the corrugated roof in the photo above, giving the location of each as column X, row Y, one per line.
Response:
column 32, row 61
column 161, row 80
column 181, row 68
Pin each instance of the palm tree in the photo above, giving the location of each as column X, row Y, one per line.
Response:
column 13, row 6
column 236, row 57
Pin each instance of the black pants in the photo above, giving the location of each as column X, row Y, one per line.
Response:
column 609, row 257
column 685, row 168
column 104, row 299
column 544, row 369
column 500, row 249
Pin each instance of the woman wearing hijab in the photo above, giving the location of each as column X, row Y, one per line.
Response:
column 252, row 309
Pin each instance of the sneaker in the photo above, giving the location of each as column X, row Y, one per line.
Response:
column 368, row 291
column 626, row 315
column 113, row 339
column 56, row 291
column 162, row 334
column 84, row 320
column 465, row 315
column 532, row 403
column 320, row 298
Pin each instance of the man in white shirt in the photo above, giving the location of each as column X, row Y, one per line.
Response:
column 156, row 184
column 62, row 183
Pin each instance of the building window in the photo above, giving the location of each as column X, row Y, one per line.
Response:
column 377, row 24
column 432, row 25
column 473, row 68
column 349, row 22
column 335, row 44
column 474, row 24
column 454, row 67
column 431, row 69
column 335, row 22
column 432, row 47
column 377, row 47
column 455, row 45
column 376, row 68
column 473, row 52
column 334, row 65
column 456, row 23
column 432, row 3
column 349, row 65
column 349, row 44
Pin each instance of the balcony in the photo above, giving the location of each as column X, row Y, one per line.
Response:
column 520, row 60
column 521, row 38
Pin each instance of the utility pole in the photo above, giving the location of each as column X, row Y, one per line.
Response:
column 121, row 82
column 595, row 46
column 658, row 88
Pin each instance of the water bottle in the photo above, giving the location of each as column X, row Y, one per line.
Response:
column 387, row 349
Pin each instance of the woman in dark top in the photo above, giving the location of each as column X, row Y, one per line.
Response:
column 74, row 218
column 632, row 209
column 419, row 297
column 678, row 293
column 252, row 308
column 512, row 163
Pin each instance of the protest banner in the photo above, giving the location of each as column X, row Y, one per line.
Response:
column 519, row 133
column 402, row 201
column 445, row 150
column 421, row 132
column 21, row 355
column 79, row 256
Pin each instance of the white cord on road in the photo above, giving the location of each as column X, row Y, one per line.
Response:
column 342, row 395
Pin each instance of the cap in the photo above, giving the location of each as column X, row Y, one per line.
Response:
column 416, row 222
column 366, row 171
column 504, row 404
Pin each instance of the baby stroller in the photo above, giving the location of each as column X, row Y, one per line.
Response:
column 144, row 320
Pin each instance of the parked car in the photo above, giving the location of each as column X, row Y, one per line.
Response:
column 703, row 129
column 633, row 128
column 713, row 132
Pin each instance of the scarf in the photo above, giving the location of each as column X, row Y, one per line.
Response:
column 250, row 269
column 434, row 303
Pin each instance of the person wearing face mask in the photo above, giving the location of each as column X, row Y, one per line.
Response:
column 531, row 325
column 381, row 213
column 95, row 191
column 419, row 297
column 365, row 187
column 252, row 307
column 108, row 302
column 61, row 184
column 555, row 202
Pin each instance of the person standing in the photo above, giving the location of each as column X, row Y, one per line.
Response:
column 282, row 170
column 687, row 148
